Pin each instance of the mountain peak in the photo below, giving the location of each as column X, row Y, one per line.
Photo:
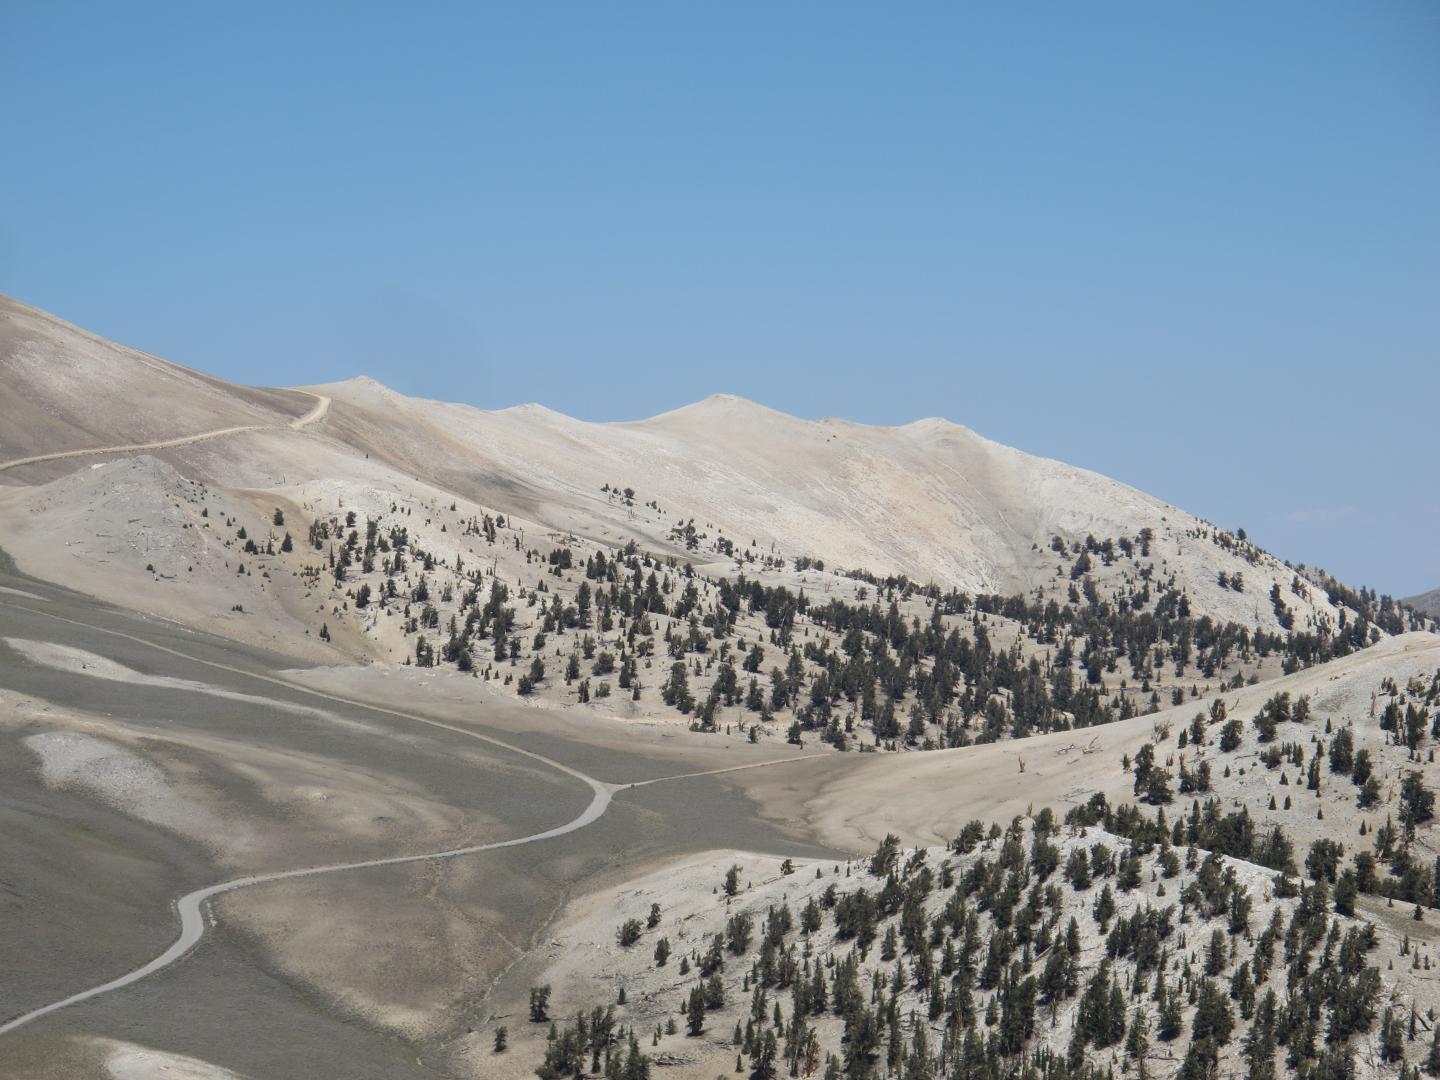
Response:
column 719, row 408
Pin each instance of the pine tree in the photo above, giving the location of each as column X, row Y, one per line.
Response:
column 1432, row 1059
column 1170, row 1014
column 695, row 1011
column 1392, row 1038
column 1137, row 1043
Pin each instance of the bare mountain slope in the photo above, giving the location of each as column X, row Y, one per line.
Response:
column 1428, row 602
column 926, row 798
column 725, row 482
column 62, row 388
column 466, row 572
column 931, row 500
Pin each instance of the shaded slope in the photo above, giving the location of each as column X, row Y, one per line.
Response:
column 64, row 389
column 1428, row 602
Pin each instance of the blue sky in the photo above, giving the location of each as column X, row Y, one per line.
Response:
column 1195, row 247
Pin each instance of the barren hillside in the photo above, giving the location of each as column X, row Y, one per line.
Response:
column 1428, row 602
column 659, row 608
column 930, row 500
column 725, row 483
column 381, row 527
column 62, row 388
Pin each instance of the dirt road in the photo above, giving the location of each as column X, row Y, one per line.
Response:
column 322, row 406
column 191, row 906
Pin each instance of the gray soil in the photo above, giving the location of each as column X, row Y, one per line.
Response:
column 87, row 892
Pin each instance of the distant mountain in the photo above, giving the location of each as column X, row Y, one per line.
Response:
column 930, row 500
column 1428, row 602
column 583, row 583
column 725, row 483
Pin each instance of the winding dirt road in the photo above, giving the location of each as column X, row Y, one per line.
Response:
column 191, row 906
column 322, row 406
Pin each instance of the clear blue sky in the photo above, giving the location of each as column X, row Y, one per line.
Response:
column 1193, row 246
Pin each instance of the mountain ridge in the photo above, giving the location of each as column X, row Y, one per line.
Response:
column 1427, row 602
column 1007, row 638
column 931, row 500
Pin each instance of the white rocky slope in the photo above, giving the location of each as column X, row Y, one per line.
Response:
column 725, row 482
column 931, row 500
column 62, row 388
